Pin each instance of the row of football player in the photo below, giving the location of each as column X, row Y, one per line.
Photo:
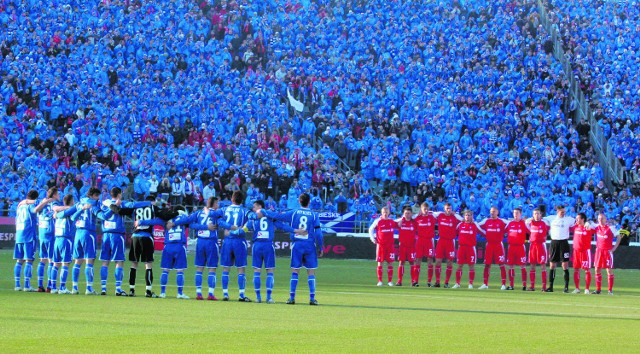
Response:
column 66, row 231
column 416, row 241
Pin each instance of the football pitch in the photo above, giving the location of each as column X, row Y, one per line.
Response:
column 354, row 316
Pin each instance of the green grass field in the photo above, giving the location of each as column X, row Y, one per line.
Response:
column 354, row 316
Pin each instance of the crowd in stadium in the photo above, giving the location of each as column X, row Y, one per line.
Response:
column 601, row 43
column 436, row 101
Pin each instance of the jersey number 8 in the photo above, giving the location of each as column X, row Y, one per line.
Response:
column 303, row 222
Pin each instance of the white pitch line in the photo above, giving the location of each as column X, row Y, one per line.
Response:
column 600, row 306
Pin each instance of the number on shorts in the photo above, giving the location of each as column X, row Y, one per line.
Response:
column 566, row 255
column 585, row 264
column 473, row 259
column 501, row 258
column 523, row 259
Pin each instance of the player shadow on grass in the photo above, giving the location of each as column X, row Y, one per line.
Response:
column 395, row 308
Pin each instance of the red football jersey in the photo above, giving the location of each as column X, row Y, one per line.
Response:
column 582, row 238
column 467, row 232
column 408, row 232
column 604, row 238
column 447, row 225
column 384, row 231
column 426, row 226
column 495, row 230
column 517, row 232
column 539, row 231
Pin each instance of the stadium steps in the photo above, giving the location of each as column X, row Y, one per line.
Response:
column 613, row 170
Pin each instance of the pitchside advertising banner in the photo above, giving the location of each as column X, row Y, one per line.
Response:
column 336, row 222
column 337, row 244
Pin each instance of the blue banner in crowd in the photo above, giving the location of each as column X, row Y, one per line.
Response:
column 336, row 222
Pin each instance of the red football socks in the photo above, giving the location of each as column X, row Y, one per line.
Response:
column 532, row 277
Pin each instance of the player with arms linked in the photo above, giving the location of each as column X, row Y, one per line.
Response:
column 174, row 255
column 84, row 245
column 65, row 230
column 26, row 238
column 234, row 246
column 306, row 248
column 113, row 241
column 263, row 251
column 46, row 235
column 205, row 222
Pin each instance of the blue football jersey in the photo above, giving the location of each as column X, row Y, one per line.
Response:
column 176, row 234
column 113, row 222
column 26, row 223
column 46, row 222
column 86, row 219
column 64, row 225
column 264, row 229
column 200, row 220
column 304, row 219
column 236, row 215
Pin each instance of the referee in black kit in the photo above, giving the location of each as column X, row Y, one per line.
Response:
column 559, row 251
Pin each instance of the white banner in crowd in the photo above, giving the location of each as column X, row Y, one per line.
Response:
column 297, row 105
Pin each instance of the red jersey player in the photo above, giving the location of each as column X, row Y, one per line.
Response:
column 538, row 229
column 425, row 245
column 495, row 229
column 407, row 248
column 517, row 231
column 467, row 232
column 381, row 233
column 582, row 236
column 604, row 252
column 446, row 247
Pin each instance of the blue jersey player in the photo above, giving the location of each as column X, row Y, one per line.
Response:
column 263, row 252
column 84, row 244
column 65, row 230
column 205, row 222
column 113, row 240
column 234, row 246
column 306, row 248
column 26, row 238
column 174, row 255
column 46, row 231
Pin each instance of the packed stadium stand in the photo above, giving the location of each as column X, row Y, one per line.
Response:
column 360, row 103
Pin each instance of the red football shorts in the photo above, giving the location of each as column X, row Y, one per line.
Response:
column 538, row 253
column 604, row 259
column 467, row 254
column 494, row 253
column 406, row 253
column 425, row 248
column 385, row 253
column 582, row 259
column 517, row 255
column 446, row 248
